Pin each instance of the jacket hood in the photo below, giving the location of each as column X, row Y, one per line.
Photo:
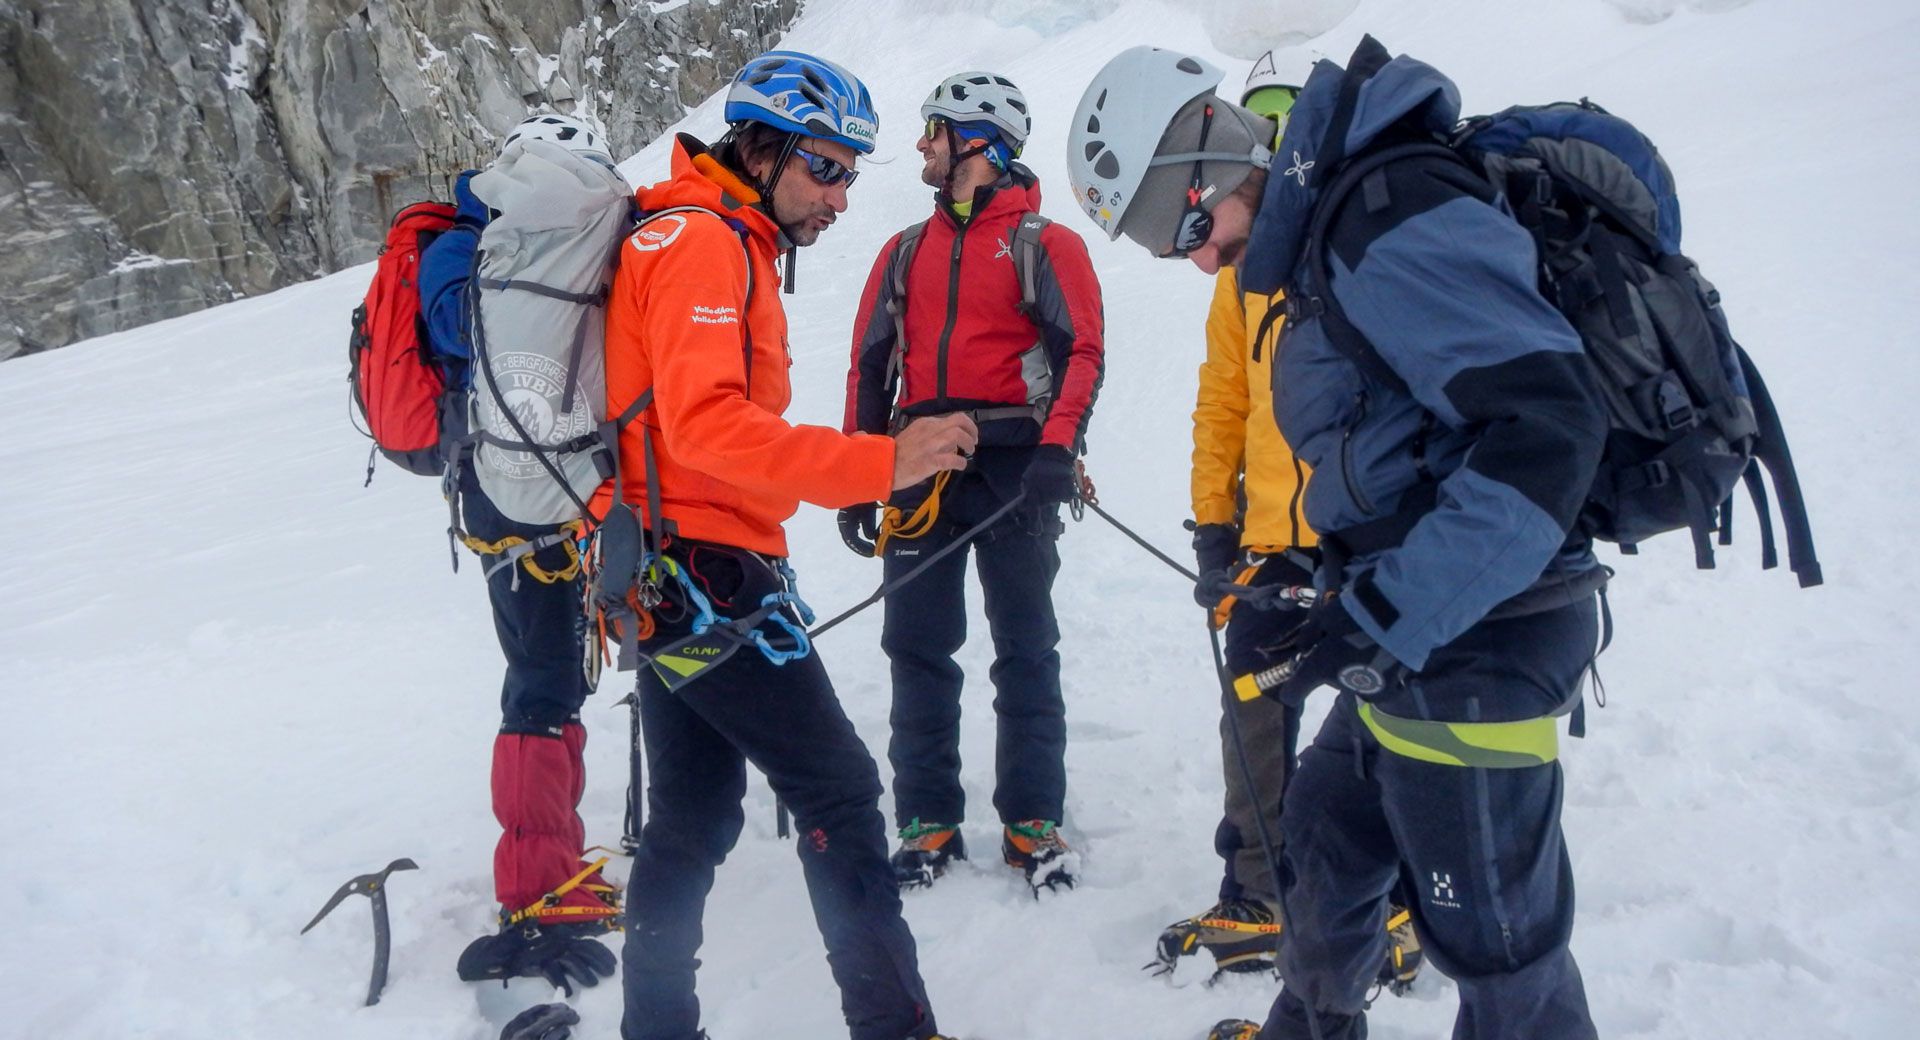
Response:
column 698, row 179
column 1386, row 91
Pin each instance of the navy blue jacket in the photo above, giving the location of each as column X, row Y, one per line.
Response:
column 445, row 267
column 1498, row 405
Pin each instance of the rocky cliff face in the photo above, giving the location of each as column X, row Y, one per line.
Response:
column 159, row 156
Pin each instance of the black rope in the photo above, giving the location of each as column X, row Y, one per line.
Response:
column 888, row 587
column 1141, row 542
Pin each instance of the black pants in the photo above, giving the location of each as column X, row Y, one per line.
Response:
column 540, row 626
column 1480, row 849
column 926, row 624
column 786, row 721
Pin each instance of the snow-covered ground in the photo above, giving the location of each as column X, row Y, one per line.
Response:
column 232, row 678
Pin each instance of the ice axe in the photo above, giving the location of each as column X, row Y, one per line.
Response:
column 374, row 887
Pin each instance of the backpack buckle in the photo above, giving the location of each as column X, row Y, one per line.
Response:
column 1676, row 411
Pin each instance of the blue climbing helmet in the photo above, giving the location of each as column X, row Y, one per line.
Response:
column 805, row 95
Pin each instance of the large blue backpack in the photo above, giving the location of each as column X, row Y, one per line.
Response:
column 1688, row 413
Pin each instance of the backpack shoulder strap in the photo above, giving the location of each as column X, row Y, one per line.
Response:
column 1770, row 449
column 897, row 267
column 1026, row 261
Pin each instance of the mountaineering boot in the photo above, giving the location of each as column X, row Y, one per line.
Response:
column 1403, row 952
column 1036, row 847
column 563, row 954
column 1240, row 933
column 1233, row 1029
column 926, row 850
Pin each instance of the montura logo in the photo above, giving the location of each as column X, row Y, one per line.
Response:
column 1005, row 249
column 1298, row 171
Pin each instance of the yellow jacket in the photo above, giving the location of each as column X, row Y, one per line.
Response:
column 1237, row 447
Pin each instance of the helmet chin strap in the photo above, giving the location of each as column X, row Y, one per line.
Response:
column 956, row 157
column 766, row 206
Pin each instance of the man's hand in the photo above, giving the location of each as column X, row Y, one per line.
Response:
column 1050, row 476
column 1215, row 548
column 933, row 445
column 1329, row 648
column 859, row 526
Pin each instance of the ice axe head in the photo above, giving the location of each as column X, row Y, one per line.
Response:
column 374, row 887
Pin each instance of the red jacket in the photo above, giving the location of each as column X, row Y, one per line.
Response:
column 731, row 470
column 968, row 345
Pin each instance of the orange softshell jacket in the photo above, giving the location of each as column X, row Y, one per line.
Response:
column 730, row 469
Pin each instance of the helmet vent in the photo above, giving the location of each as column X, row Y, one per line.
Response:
column 1190, row 66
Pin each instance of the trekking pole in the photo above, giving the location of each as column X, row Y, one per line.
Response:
column 888, row 587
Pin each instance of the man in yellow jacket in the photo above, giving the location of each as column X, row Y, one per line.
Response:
column 1248, row 530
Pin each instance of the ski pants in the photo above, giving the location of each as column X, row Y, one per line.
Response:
column 538, row 768
column 1269, row 735
column 786, row 721
column 926, row 624
column 1478, row 846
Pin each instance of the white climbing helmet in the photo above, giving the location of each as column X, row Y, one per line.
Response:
column 1126, row 113
column 982, row 97
column 572, row 133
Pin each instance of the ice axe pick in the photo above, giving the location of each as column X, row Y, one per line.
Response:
column 374, row 887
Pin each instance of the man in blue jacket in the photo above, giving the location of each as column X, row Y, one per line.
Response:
column 1456, row 613
column 550, row 902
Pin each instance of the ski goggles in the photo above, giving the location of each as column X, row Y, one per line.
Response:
column 1273, row 102
column 1196, row 223
column 827, row 171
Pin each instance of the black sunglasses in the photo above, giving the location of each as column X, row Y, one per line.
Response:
column 827, row 171
column 1196, row 223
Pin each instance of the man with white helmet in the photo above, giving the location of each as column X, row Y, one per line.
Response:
column 697, row 358
column 1247, row 530
column 538, row 770
column 986, row 310
column 1453, row 608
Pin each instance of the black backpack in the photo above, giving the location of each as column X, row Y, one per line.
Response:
column 1689, row 415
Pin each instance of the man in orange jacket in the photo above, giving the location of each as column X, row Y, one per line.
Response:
column 695, row 320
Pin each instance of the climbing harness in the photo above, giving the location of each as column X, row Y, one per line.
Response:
column 514, row 548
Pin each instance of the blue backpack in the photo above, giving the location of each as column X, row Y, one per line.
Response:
column 1689, row 416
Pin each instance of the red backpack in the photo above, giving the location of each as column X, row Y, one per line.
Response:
column 396, row 382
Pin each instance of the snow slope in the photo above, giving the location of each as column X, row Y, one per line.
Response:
column 233, row 679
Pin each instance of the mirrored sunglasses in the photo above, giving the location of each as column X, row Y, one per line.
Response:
column 827, row 171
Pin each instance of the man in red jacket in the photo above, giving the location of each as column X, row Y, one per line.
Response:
column 988, row 310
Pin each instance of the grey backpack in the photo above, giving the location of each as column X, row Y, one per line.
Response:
column 537, row 326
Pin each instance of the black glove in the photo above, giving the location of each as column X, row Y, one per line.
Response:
column 1216, row 547
column 1330, row 649
column 1050, row 476
column 554, row 955
column 859, row 526
column 542, row 1022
